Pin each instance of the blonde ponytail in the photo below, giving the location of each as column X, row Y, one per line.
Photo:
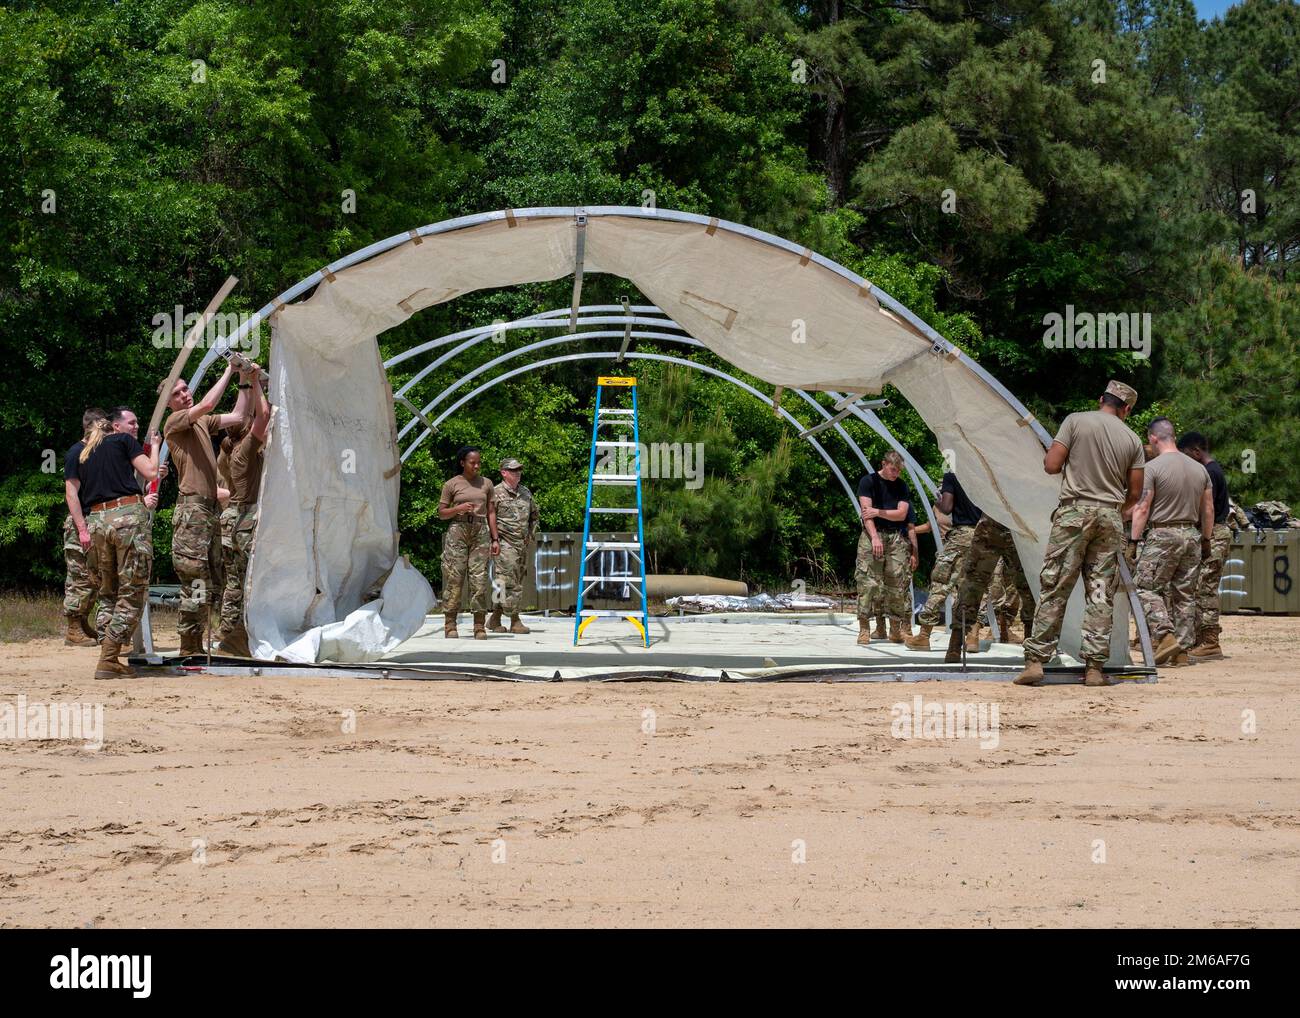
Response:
column 100, row 431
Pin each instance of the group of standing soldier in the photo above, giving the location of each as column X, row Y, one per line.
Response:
column 1172, row 497
column 487, row 520
column 108, row 535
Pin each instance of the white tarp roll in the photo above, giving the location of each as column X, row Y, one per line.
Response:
column 327, row 538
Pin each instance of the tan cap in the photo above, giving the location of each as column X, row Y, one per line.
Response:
column 1121, row 391
column 511, row 464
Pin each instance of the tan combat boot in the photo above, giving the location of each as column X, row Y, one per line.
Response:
column 517, row 627
column 76, row 636
column 234, row 643
column 191, row 643
column 494, row 623
column 108, row 666
column 896, row 631
column 864, row 630
column 880, row 633
column 1032, row 675
column 1094, row 676
column 1167, row 649
column 920, row 641
column 1207, row 647
column 973, row 640
column 1181, row 660
column 449, row 626
column 480, row 628
column 953, row 654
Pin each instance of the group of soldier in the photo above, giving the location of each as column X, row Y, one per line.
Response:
column 1168, row 496
column 486, row 521
column 108, row 535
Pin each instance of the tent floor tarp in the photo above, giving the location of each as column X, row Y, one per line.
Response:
column 735, row 647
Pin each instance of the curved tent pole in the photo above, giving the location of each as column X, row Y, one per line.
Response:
column 606, row 334
column 605, row 355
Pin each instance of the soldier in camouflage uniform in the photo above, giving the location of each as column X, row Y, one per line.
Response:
column 467, row 503
column 81, row 582
column 945, row 577
column 1207, row 647
column 991, row 545
column 244, row 474
column 1178, row 503
column 883, row 567
column 1102, row 462
column 119, row 524
column 1008, row 594
column 516, row 525
column 196, row 532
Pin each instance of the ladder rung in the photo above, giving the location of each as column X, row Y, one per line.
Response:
column 598, row 509
column 617, row 577
column 626, row 545
column 621, row 413
column 615, row 445
column 608, row 613
column 614, row 479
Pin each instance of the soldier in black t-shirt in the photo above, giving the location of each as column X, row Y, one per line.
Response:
column 948, row 568
column 81, row 581
column 1206, row 620
column 120, row 531
column 882, row 570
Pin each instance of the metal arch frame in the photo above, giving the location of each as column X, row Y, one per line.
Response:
column 605, row 354
column 940, row 345
column 555, row 318
column 879, row 427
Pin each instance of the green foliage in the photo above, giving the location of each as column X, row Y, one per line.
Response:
column 1127, row 194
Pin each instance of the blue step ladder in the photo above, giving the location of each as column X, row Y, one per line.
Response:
column 613, row 417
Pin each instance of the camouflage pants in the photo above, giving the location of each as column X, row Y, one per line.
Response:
column 883, row 582
column 1166, row 579
column 946, row 574
column 81, row 583
column 1207, row 591
column 1009, row 590
column 236, row 552
column 466, row 548
column 990, row 545
column 508, row 574
column 196, row 556
column 1085, row 540
column 122, row 543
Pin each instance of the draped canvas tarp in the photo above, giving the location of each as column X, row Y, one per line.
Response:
column 327, row 539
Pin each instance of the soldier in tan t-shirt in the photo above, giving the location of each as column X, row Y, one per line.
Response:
column 1177, row 506
column 196, row 536
column 1102, row 463
column 245, row 479
column 466, row 501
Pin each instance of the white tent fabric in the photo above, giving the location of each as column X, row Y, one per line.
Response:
column 327, row 538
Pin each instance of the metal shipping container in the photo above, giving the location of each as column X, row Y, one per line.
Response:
column 1262, row 573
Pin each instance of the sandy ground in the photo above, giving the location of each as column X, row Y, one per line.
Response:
column 242, row 802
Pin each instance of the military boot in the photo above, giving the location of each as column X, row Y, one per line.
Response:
column 953, row 654
column 108, row 666
column 75, row 636
column 1094, row 676
column 449, row 625
column 864, row 630
column 494, row 623
column 191, row 644
column 921, row 641
column 1167, row 649
column 880, row 634
column 1181, row 660
column 1004, row 628
column 1032, row 675
column 895, row 630
column 1207, row 647
column 517, row 627
column 973, row 640
column 234, row 643
column 480, row 628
